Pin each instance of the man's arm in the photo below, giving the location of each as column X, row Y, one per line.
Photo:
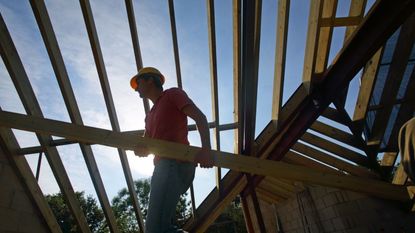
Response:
column 203, row 157
column 142, row 151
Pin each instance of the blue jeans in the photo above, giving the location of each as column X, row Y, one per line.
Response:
column 170, row 180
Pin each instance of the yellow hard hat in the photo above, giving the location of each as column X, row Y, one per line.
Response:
column 144, row 71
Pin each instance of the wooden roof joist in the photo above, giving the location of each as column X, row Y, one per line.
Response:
column 335, row 149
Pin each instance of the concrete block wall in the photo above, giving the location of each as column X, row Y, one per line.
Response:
column 329, row 210
column 17, row 212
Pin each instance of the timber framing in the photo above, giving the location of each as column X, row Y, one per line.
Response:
column 299, row 146
column 231, row 161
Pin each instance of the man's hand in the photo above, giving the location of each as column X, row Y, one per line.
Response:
column 141, row 151
column 205, row 158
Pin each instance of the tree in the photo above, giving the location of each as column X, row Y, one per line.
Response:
column 93, row 213
column 124, row 211
column 231, row 220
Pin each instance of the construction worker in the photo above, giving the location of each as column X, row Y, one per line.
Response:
column 167, row 120
column 407, row 147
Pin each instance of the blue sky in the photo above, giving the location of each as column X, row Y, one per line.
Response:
column 156, row 47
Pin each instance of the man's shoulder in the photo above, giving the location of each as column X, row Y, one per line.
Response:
column 173, row 91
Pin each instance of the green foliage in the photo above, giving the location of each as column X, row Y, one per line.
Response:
column 93, row 213
column 230, row 221
column 124, row 212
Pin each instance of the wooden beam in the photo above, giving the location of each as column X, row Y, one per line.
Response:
column 335, row 149
column 356, row 11
column 186, row 153
column 109, row 102
column 367, row 85
column 337, row 134
column 214, row 81
column 273, row 188
column 365, row 42
column 400, row 176
column 136, row 44
column 332, row 161
column 295, row 158
column 27, row 96
column 137, row 133
column 268, row 196
column 175, row 44
column 397, row 69
column 251, row 34
column 45, row 26
column 316, row 7
column 324, row 37
column 8, row 145
column 340, row 21
column 237, row 77
column 334, row 115
column 280, row 54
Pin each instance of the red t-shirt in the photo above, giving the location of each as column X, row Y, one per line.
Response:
column 166, row 121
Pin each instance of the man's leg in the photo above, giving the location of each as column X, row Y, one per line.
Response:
column 164, row 195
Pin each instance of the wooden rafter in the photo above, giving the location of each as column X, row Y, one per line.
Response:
column 27, row 96
column 367, row 84
column 109, row 102
column 175, row 44
column 332, row 161
column 214, row 81
column 337, row 134
column 136, row 43
column 316, row 7
column 280, row 54
column 45, row 25
column 335, row 149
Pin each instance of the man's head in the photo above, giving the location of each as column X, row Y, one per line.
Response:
column 147, row 80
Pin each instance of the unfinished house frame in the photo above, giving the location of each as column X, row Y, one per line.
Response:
column 288, row 179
